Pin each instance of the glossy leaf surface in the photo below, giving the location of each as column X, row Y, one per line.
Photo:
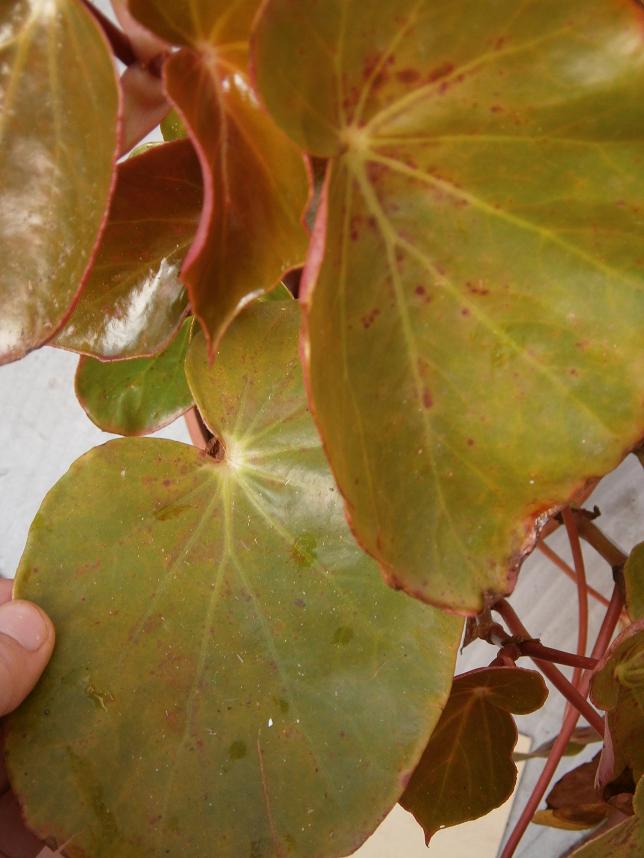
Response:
column 255, row 181
column 625, row 840
column 136, row 397
column 134, row 300
column 634, row 581
column 58, row 141
column 476, row 264
column 467, row 770
column 618, row 688
column 231, row 677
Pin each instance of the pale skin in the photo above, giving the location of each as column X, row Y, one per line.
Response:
column 26, row 642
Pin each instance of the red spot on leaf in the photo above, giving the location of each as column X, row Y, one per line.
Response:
column 408, row 76
column 476, row 287
column 427, row 398
column 465, row 311
column 369, row 318
column 440, row 71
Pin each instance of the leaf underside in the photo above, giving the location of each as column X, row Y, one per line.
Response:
column 476, row 265
column 58, row 140
column 231, row 677
column 467, row 769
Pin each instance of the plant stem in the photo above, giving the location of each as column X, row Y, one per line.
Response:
column 121, row 45
column 569, row 571
column 589, row 531
column 197, row 429
column 582, row 591
column 563, row 685
column 611, row 618
column 535, row 649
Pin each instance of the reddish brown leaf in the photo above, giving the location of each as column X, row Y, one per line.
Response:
column 467, row 769
column 134, row 301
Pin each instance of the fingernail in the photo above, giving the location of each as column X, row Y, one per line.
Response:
column 23, row 622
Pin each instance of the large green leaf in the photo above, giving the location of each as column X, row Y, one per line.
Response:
column 467, row 769
column 634, row 581
column 136, row 397
column 134, row 300
column 231, row 677
column 476, row 268
column 625, row 840
column 255, row 181
column 58, row 141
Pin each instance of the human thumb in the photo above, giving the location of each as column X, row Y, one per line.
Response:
column 26, row 643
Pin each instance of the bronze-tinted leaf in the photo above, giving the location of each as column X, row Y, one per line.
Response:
column 255, row 187
column 467, row 769
column 625, row 840
column 136, row 397
column 134, row 300
column 476, row 266
column 634, row 581
column 231, row 676
column 255, row 180
column 58, row 142
column 574, row 802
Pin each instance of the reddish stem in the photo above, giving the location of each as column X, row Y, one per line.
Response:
column 611, row 618
column 582, row 591
column 561, row 683
column 121, row 45
column 589, row 532
column 535, row 649
column 197, row 429
column 567, row 570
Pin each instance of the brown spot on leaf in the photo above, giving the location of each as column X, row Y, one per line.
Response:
column 440, row 71
column 476, row 287
column 369, row 318
column 427, row 398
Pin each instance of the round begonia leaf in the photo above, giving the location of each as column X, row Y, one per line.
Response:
column 231, row 675
column 476, row 265
column 136, row 397
column 467, row 768
column 134, row 300
column 58, row 143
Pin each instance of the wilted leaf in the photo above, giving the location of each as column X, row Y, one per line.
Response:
column 625, row 840
column 59, row 106
column 618, row 688
column 476, row 266
column 255, row 181
column 136, row 397
column 634, row 581
column 573, row 802
column 467, row 769
column 134, row 301
column 231, row 677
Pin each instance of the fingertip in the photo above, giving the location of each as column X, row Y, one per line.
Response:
column 27, row 638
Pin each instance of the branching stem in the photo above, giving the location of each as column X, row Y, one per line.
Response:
column 611, row 618
column 548, row 552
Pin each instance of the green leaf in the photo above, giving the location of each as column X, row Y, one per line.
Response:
column 58, row 142
column 476, row 265
column 134, row 300
column 625, row 840
column 255, row 180
column 136, row 397
column 618, row 688
column 231, row 676
column 467, row 770
column 172, row 127
column 634, row 581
